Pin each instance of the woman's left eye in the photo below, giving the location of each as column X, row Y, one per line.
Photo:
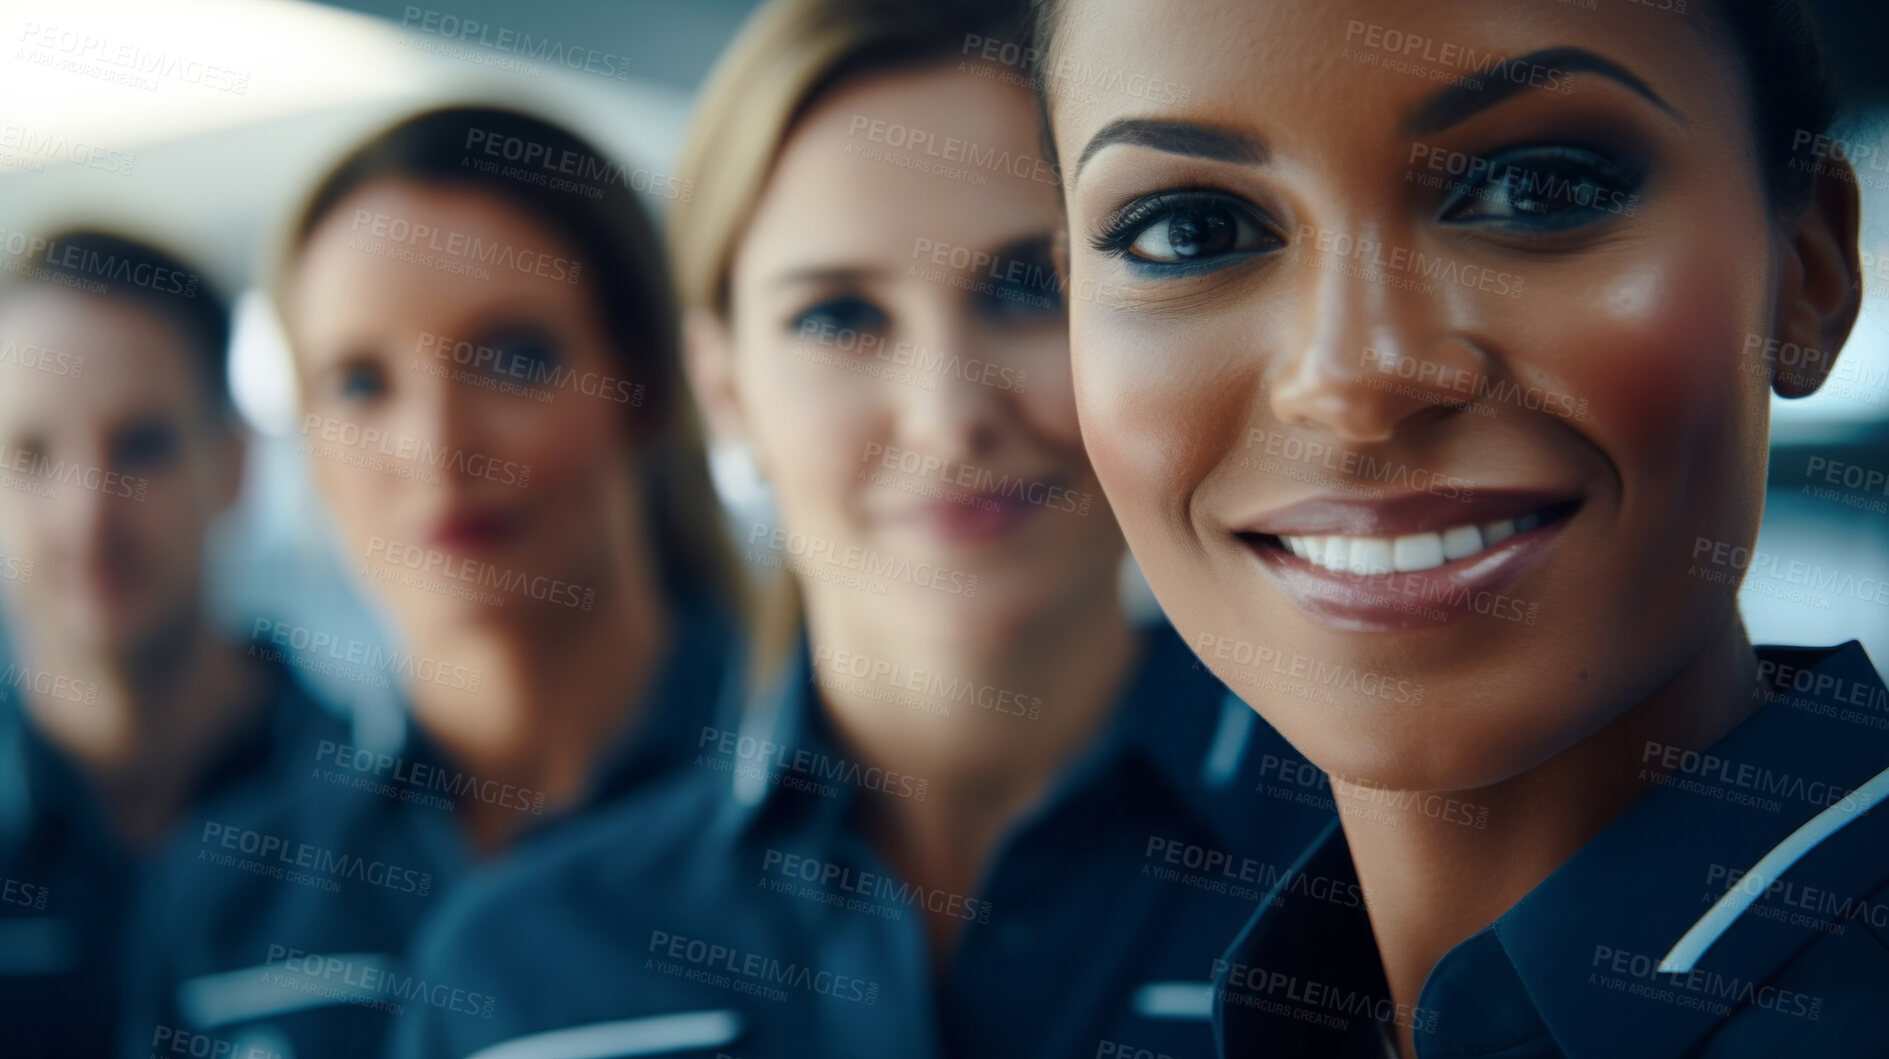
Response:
column 1545, row 189
column 1182, row 229
column 145, row 446
column 523, row 352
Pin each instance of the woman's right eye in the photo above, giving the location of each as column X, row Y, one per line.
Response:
column 360, row 381
column 1186, row 231
column 850, row 313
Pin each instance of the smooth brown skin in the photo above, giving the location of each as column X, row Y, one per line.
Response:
column 114, row 601
column 1644, row 316
column 556, row 681
column 1046, row 619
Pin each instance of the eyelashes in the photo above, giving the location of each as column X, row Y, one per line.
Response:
column 1192, row 230
column 1546, row 189
column 1536, row 190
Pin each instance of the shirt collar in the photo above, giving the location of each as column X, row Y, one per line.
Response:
column 1577, row 959
column 1171, row 717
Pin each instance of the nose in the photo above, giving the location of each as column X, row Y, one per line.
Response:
column 444, row 422
column 959, row 417
column 1368, row 348
column 87, row 517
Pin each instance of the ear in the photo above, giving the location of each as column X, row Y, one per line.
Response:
column 709, row 355
column 1822, row 289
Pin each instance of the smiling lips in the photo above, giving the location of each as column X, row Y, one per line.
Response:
column 1407, row 561
column 1409, row 553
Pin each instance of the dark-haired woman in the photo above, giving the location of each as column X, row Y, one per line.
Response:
column 1513, row 280
column 495, row 421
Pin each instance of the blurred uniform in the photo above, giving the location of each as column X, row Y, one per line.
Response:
column 1755, row 873
column 278, row 928
column 66, row 875
column 739, row 910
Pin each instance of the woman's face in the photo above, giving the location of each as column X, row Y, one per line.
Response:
column 898, row 359
column 464, row 413
column 1431, row 397
column 115, row 466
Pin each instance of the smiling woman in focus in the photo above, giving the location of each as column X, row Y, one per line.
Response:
column 1439, row 347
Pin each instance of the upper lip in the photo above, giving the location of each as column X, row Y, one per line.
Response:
column 468, row 526
column 1399, row 515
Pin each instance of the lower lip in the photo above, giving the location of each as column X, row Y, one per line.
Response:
column 969, row 523
column 1417, row 599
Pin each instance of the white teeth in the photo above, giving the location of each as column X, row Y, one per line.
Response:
column 1337, row 552
column 1375, row 556
column 1459, row 541
column 1312, row 548
column 1419, row 551
column 1370, row 555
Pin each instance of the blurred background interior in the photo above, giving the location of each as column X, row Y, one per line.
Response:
column 213, row 173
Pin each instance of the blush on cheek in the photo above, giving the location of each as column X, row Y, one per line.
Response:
column 1658, row 358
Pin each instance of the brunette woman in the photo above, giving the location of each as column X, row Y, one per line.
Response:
column 1512, row 281
column 495, row 418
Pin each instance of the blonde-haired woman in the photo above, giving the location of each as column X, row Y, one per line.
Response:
column 975, row 810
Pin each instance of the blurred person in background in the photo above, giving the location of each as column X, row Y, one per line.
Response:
column 497, row 421
column 956, row 818
column 122, row 707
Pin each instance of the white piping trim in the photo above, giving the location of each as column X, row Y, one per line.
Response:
column 1229, row 741
column 1174, row 1000
column 624, row 1037
column 1719, row 918
column 213, row 1000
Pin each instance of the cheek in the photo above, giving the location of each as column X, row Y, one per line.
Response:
column 1047, row 396
column 814, row 430
column 574, row 441
column 1161, row 409
column 1656, row 352
column 358, row 500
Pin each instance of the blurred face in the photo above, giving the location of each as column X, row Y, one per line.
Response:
column 464, row 412
column 114, row 466
column 1422, row 394
column 900, row 358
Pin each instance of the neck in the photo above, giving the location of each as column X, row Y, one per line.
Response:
column 147, row 721
column 553, row 688
column 982, row 765
column 1431, row 882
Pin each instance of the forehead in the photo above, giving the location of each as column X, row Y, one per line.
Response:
column 124, row 358
column 941, row 153
column 1303, row 73
column 365, row 266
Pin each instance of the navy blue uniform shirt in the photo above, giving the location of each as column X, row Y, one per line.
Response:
column 739, row 910
column 1740, row 908
column 66, row 875
column 279, row 930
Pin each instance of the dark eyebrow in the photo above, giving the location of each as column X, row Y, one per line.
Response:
column 835, row 275
column 1175, row 137
column 1461, row 101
